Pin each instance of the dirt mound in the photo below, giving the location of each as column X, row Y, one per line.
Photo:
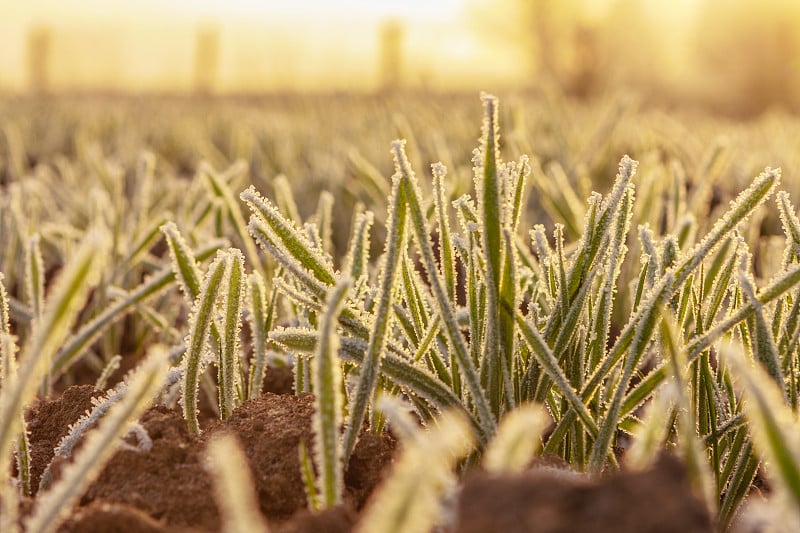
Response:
column 169, row 482
column 168, row 488
column 170, row 485
column 548, row 500
column 48, row 422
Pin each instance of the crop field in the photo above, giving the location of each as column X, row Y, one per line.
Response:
column 379, row 313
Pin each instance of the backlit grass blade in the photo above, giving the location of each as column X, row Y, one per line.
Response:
column 641, row 338
column 285, row 199
column 446, row 257
column 490, row 209
column 259, row 327
column 357, row 258
column 64, row 302
column 328, row 401
column 548, row 362
column 263, row 237
column 519, row 435
column 615, row 257
column 101, row 443
column 399, row 370
column 517, row 193
column 232, row 296
column 7, row 361
column 234, row 487
column 324, row 221
column 34, row 276
column 184, row 264
column 773, row 425
column 409, row 500
column 138, row 249
column 720, row 285
column 284, row 235
column 457, row 343
column 650, row 435
column 508, row 306
column 111, row 366
column 307, row 472
column 78, row 343
column 693, row 451
column 763, row 343
column 220, row 188
column 746, row 202
column 598, row 223
column 370, row 367
column 8, row 380
column 197, row 340
column 791, row 227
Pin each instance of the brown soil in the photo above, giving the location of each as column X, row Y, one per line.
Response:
column 104, row 517
column 549, row 500
column 48, row 422
column 168, row 488
column 339, row 519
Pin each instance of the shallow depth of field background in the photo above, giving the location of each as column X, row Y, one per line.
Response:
column 737, row 57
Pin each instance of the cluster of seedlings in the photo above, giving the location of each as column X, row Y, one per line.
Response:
column 472, row 338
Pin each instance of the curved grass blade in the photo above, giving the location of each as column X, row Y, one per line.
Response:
column 197, row 340
column 233, row 487
column 76, row 345
column 773, row 425
column 34, row 276
column 184, row 264
column 370, row 367
column 399, row 370
column 220, row 188
column 232, row 295
column 409, row 500
column 79, row 276
column 101, row 443
column 763, row 343
column 327, row 381
column 259, row 322
column 286, row 237
column 519, row 435
column 357, row 258
column 457, row 343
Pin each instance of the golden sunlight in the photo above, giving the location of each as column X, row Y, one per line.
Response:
column 704, row 50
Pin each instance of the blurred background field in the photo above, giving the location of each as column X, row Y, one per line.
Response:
column 733, row 56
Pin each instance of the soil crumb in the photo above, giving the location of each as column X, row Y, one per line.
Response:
column 549, row 501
